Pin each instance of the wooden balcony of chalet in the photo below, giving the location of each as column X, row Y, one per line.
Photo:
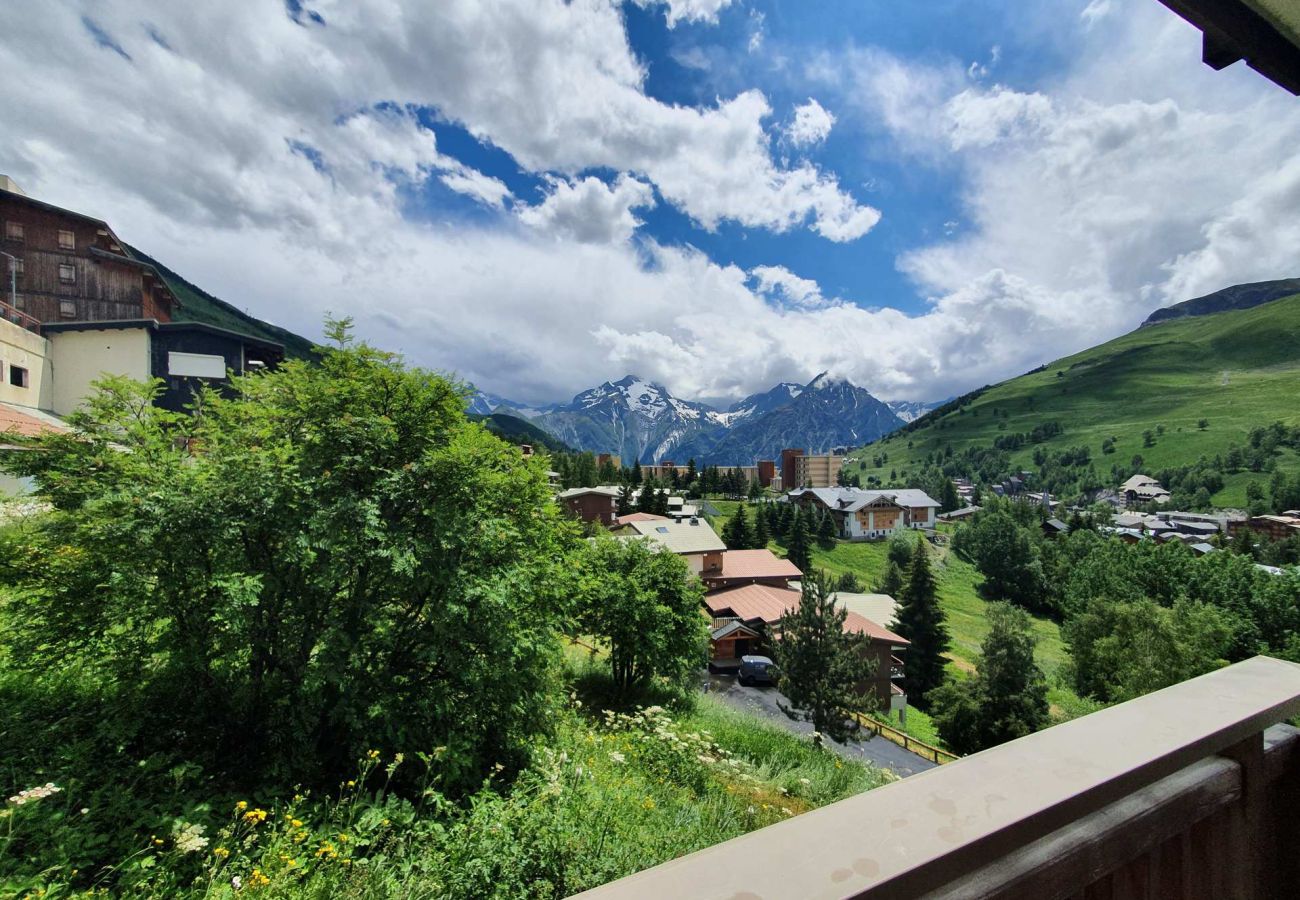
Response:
column 1189, row 792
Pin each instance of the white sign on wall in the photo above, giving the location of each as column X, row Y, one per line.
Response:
column 196, row 365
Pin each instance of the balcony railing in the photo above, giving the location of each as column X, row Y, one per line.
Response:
column 1192, row 791
column 20, row 318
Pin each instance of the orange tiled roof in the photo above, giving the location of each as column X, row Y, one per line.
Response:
column 639, row 517
column 862, row 625
column 755, row 564
column 753, row 601
column 15, row 421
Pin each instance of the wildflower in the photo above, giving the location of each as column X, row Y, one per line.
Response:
column 296, row 823
column 352, row 784
column 257, row 879
column 648, row 803
column 805, row 782
column 188, row 837
column 343, row 839
column 31, row 795
column 85, row 810
column 236, row 882
column 787, row 811
column 616, row 756
column 373, row 754
column 255, row 816
column 220, row 852
column 241, row 805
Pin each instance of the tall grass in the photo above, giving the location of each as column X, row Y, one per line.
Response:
column 608, row 794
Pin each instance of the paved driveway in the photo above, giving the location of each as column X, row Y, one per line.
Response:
column 761, row 701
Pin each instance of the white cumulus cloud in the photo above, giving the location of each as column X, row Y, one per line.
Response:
column 811, row 124
column 590, row 211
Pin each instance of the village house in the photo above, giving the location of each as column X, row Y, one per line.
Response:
column 78, row 305
column 752, row 567
column 692, row 540
column 960, row 515
column 591, row 504
column 1275, row 527
column 862, row 515
column 72, row 267
column 1144, row 489
column 747, row 618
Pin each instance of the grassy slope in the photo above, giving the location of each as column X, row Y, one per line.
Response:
column 1238, row 369
column 197, row 305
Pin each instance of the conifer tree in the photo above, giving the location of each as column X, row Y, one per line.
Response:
column 826, row 531
column 798, row 546
column 822, row 664
column 891, row 582
column 736, row 533
column 919, row 619
column 625, row 502
column 636, row 472
column 762, row 530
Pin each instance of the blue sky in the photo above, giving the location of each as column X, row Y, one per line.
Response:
column 718, row 195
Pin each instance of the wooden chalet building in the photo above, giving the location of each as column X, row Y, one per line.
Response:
column 863, row 515
column 72, row 267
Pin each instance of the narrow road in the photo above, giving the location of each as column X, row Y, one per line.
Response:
column 761, row 701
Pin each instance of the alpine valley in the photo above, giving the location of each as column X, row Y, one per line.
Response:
column 641, row 420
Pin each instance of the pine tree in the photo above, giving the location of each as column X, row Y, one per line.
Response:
column 762, row 530
column 1006, row 698
column 826, row 531
column 798, row 546
column 821, row 664
column 891, row 583
column 736, row 533
column 625, row 502
column 691, row 474
column 919, row 619
column 636, row 472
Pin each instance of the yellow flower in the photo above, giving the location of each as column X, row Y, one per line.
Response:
column 343, row 838
column 352, row 784
column 241, row 805
column 220, row 852
column 257, row 879
column 255, row 816
column 296, row 823
column 649, row 803
column 373, row 754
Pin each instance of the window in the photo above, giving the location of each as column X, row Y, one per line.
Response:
column 67, row 240
column 14, row 231
column 18, row 376
column 68, row 309
column 68, row 274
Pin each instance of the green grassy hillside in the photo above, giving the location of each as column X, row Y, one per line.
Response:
column 197, row 305
column 1237, row 369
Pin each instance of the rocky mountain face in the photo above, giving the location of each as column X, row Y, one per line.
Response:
column 637, row 419
column 827, row 413
column 641, row 420
column 1239, row 296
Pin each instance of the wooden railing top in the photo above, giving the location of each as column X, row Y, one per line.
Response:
column 921, row 833
column 18, row 317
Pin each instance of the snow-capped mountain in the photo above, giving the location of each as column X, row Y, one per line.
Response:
column 634, row 418
column 641, row 420
column 760, row 404
column 911, row 410
column 826, row 413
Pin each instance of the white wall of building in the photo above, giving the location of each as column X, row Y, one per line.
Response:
column 30, row 352
column 81, row 357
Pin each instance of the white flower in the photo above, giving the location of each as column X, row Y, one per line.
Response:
column 616, row 756
column 189, row 837
column 805, row 782
column 236, row 882
column 31, row 795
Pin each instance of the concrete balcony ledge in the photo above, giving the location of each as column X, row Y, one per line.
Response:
column 1192, row 791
